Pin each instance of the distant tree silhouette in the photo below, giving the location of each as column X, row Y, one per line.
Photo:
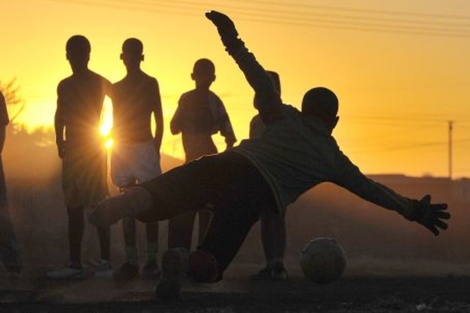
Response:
column 15, row 103
column 41, row 137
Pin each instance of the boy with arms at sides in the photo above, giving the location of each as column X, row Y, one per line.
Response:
column 200, row 114
column 296, row 152
column 10, row 254
column 80, row 146
column 135, row 156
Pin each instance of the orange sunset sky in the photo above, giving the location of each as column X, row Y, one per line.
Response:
column 401, row 69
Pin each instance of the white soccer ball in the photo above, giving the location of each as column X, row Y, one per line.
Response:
column 323, row 260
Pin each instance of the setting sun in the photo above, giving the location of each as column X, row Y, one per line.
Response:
column 107, row 123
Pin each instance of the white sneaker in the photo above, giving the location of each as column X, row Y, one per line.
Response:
column 68, row 272
column 174, row 270
column 103, row 269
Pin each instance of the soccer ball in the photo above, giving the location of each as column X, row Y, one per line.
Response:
column 323, row 260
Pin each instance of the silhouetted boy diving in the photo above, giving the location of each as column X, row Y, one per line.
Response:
column 295, row 153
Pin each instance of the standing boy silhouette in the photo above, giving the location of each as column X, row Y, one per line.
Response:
column 135, row 156
column 10, row 254
column 200, row 115
column 80, row 146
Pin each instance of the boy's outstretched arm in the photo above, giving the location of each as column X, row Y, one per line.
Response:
column 267, row 97
column 432, row 216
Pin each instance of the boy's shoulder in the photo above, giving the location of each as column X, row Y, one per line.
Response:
column 66, row 80
column 188, row 95
column 214, row 99
column 97, row 77
column 149, row 77
column 88, row 76
column 66, row 84
column 189, row 92
column 90, row 79
column 146, row 78
column 142, row 78
column 194, row 95
column 101, row 82
column 213, row 94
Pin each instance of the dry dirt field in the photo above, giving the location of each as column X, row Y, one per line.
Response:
column 393, row 265
column 352, row 293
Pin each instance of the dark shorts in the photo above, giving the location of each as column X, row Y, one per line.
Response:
column 225, row 179
column 235, row 189
column 84, row 176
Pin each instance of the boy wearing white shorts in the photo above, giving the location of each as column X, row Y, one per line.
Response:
column 136, row 152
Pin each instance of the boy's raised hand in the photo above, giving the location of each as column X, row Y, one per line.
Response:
column 225, row 26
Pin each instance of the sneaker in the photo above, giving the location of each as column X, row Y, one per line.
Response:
column 263, row 274
column 103, row 269
column 277, row 272
column 127, row 272
column 151, row 270
column 174, row 268
column 131, row 202
column 69, row 272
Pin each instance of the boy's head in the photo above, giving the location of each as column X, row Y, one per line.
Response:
column 203, row 73
column 133, row 48
column 78, row 50
column 322, row 103
column 132, row 52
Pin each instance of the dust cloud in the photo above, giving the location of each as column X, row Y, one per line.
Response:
column 377, row 241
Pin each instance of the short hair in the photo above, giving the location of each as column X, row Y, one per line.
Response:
column 78, row 45
column 321, row 102
column 204, row 66
column 132, row 46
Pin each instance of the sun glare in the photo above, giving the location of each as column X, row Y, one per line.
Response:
column 107, row 123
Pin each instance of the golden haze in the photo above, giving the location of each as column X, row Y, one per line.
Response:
column 398, row 86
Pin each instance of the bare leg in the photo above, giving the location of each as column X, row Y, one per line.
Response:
column 129, row 230
column 180, row 230
column 152, row 230
column 75, row 234
column 273, row 236
column 9, row 249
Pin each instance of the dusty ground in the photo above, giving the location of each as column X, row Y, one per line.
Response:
column 352, row 293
